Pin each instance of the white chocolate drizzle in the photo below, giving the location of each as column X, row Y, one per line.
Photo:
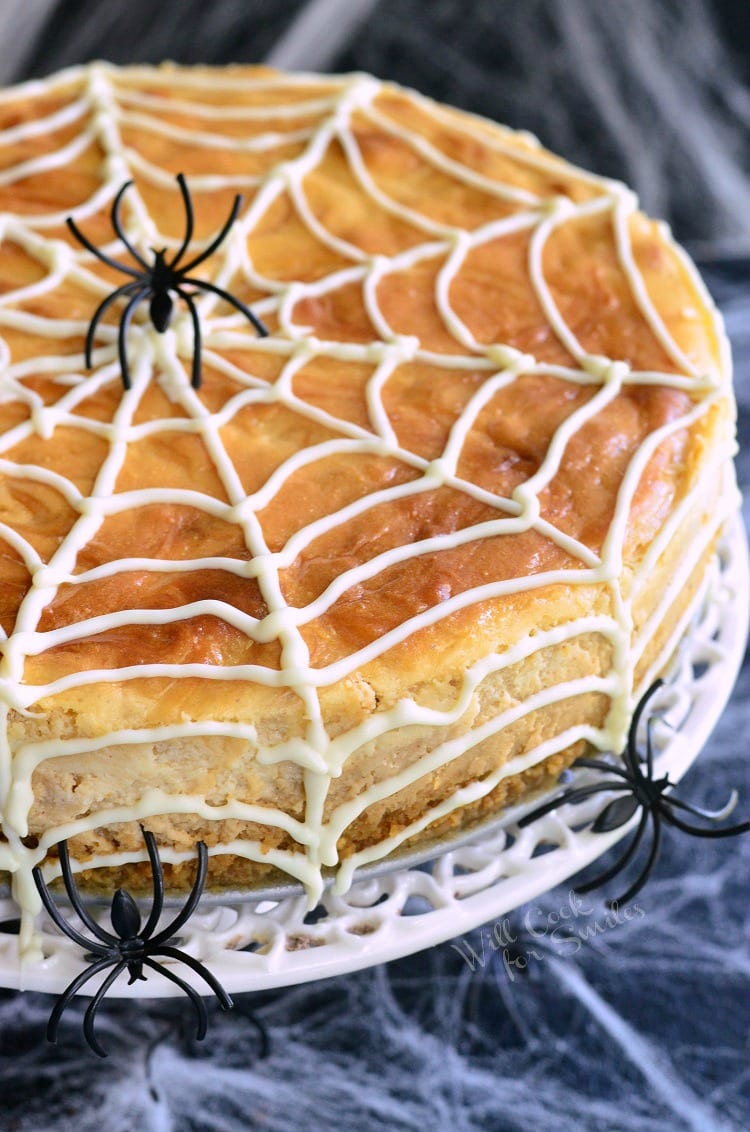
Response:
column 104, row 102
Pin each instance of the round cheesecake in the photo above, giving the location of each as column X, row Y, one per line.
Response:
column 392, row 566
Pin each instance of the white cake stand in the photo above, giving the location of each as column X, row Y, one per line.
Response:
column 252, row 943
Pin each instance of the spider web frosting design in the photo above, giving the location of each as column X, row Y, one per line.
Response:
column 378, row 362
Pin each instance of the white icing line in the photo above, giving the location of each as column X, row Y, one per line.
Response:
column 31, row 558
column 446, row 164
column 34, row 643
column 258, row 143
column 680, row 577
column 41, row 88
column 474, row 792
column 622, row 212
column 308, row 108
column 216, row 80
column 68, row 490
column 614, row 542
column 46, row 125
column 45, row 163
column 491, row 137
column 448, row 751
column 561, row 210
column 199, row 182
column 366, row 181
column 155, row 801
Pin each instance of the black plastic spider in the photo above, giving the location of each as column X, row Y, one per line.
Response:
column 157, row 280
column 642, row 791
column 132, row 947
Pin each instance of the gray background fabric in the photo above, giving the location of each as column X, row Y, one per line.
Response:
column 639, row 1027
column 652, row 91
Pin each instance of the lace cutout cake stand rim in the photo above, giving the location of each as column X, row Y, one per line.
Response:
column 254, row 944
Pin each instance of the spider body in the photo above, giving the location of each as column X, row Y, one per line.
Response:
column 126, row 920
column 158, row 282
column 163, row 280
column 131, row 946
column 637, row 790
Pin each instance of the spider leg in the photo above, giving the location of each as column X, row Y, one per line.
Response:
column 621, row 862
column 631, row 752
column 158, row 875
column 75, row 899
column 571, row 796
column 90, row 1016
column 99, row 313
column 260, row 1027
column 119, row 230
column 125, row 321
column 191, row 992
column 696, row 831
column 205, row 974
column 599, row 764
column 642, row 877
column 209, row 251
column 195, row 379
column 65, row 998
column 191, row 902
column 709, row 815
column 650, row 747
column 57, row 917
column 261, row 327
column 188, row 220
column 100, row 254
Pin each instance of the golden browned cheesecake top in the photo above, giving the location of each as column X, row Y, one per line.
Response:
column 488, row 375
